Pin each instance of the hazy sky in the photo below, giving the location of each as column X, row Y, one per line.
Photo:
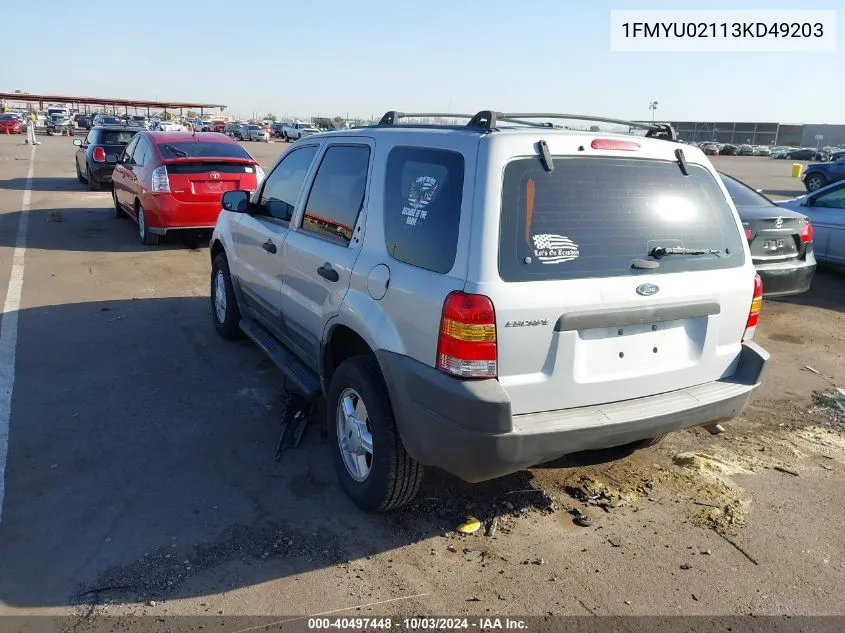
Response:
column 362, row 58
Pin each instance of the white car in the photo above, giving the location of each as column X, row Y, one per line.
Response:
column 258, row 133
column 295, row 130
column 168, row 126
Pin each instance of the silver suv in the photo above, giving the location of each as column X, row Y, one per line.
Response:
column 487, row 297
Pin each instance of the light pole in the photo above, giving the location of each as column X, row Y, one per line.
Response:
column 652, row 105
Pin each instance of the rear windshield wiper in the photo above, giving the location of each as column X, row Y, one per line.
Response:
column 176, row 151
column 661, row 251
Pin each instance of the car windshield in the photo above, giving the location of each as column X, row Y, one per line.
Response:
column 7, row 117
column 110, row 120
column 254, row 127
column 743, row 195
column 201, row 149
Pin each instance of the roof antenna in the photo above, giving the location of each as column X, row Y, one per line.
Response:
column 546, row 157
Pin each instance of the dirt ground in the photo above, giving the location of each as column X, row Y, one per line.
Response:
column 141, row 479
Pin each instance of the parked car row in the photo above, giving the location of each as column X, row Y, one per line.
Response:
column 165, row 181
column 728, row 149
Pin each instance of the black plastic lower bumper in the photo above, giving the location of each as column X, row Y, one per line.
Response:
column 466, row 427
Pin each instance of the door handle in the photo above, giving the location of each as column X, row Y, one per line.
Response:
column 269, row 247
column 327, row 272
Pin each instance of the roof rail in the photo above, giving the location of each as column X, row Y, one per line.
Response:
column 488, row 120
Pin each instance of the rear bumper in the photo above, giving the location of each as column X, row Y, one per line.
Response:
column 163, row 213
column 785, row 279
column 102, row 172
column 466, row 428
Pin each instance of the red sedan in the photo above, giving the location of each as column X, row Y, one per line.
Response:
column 10, row 124
column 174, row 180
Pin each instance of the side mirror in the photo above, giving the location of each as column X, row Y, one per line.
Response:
column 235, row 201
column 77, row 142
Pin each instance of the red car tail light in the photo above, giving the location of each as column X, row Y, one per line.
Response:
column 611, row 143
column 748, row 234
column 99, row 155
column 466, row 347
column 754, row 312
column 806, row 233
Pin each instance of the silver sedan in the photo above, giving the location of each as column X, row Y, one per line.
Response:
column 826, row 209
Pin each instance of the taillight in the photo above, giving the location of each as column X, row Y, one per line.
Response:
column 160, row 181
column 754, row 312
column 612, row 143
column 259, row 175
column 748, row 234
column 99, row 155
column 466, row 346
column 806, row 233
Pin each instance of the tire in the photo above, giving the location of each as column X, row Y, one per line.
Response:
column 228, row 327
column 285, row 137
column 649, row 441
column 92, row 184
column 814, row 182
column 147, row 238
column 78, row 171
column 118, row 212
column 392, row 477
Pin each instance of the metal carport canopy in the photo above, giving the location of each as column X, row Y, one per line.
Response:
column 104, row 101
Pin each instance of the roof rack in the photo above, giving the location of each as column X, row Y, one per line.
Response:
column 488, row 120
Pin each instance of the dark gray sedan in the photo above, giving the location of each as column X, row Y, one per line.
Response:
column 781, row 240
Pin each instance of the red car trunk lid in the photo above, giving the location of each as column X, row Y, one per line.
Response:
column 205, row 180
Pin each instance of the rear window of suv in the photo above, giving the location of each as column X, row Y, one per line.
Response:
column 591, row 217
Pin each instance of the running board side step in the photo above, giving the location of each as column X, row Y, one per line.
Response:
column 304, row 382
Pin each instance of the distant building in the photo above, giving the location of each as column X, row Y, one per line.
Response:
column 762, row 133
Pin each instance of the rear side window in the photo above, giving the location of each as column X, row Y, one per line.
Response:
column 337, row 193
column 202, row 149
column 422, row 206
column 591, row 217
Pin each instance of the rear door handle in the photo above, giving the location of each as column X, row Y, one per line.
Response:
column 269, row 246
column 327, row 272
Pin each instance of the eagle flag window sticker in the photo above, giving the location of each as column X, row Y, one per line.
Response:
column 422, row 192
column 548, row 248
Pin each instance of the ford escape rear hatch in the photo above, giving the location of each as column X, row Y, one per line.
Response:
column 621, row 280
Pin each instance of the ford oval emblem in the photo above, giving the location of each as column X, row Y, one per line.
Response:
column 646, row 290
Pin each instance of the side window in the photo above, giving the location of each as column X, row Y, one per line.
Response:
column 422, row 206
column 142, row 152
column 337, row 194
column 282, row 187
column 92, row 138
column 832, row 200
column 127, row 153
